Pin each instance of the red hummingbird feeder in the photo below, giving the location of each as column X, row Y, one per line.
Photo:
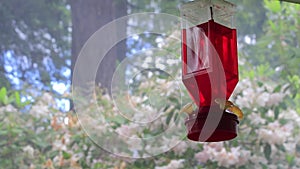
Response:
column 210, row 67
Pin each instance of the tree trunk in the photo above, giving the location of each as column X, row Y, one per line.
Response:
column 87, row 17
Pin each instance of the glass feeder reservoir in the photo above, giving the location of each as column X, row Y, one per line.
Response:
column 209, row 67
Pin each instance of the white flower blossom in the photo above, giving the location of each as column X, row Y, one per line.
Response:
column 174, row 164
column 39, row 110
column 274, row 133
column 291, row 115
column 47, row 98
column 290, row 147
column 134, row 143
column 128, row 130
column 217, row 146
column 29, row 151
column 225, row 158
column 256, row 119
column 244, row 157
column 180, row 148
column 8, row 108
column 262, row 99
column 216, row 152
column 202, row 157
column 258, row 160
column 61, row 143
column 154, row 150
column 274, row 99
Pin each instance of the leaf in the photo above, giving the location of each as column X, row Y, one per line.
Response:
column 27, row 102
column 277, row 89
column 260, row 84
column 66, row 155
column 174, row 100
column 273, row 6
column 267, row 151
column 52, row 154
column 3, row 96
column 39, row 142
column 264, row 166
column 251, row 74
column 169, row 117
column 283, row 105
column 11, row 99
column 3, row 132
column 283, row 121
column 272, row 25
column 18, row 100
column 16, row 131
column 117, row 119
column 281, row 148
column 98, row 166
column 276, row 113
column 175, row 117
column 298, row 148
column 290, row 159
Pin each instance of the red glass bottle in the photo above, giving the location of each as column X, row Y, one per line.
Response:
column 210, row 65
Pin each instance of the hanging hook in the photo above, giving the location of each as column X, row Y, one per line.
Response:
column 211, row 13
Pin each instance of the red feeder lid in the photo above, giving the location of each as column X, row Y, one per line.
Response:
column 226, row 129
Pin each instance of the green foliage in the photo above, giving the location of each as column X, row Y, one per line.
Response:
column 278, row 46
column 3, row 96
column 275, row 54
column 250, row 18
column 11, row 98
column 267, row 151
column 273, row 6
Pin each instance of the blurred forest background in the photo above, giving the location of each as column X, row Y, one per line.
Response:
column 39, row 44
